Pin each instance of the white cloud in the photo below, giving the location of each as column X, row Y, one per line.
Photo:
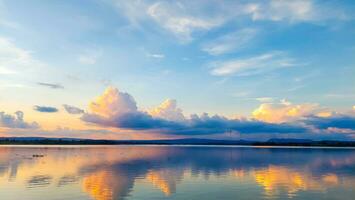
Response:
column 230, row 42
column 156, row 55
column 253, row 65
column 174, row 18
column 294, row 11
column 168, row 110
column 184, row 18
column 90, row 57
column 264, row 99
column 13, row 58
column 278, row 10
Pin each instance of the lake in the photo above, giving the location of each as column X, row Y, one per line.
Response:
column 175, row 172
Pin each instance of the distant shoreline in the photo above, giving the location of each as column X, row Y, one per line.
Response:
column 193, row 141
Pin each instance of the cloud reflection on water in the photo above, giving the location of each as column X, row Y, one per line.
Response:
column 115, row 172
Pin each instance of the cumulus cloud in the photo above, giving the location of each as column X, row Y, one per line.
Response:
column 253, row 65
column 72, row 109
column 16, row 121
column 285, row 111
column 168, row 110
column 113, row 103
column 45, row 109
column 118, row 109
column 51, row 85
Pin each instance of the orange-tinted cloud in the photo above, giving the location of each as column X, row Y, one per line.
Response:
column 113, row 103
column 286, row 111
column 168, row 110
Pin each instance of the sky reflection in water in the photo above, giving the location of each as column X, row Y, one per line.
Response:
column 175, row 172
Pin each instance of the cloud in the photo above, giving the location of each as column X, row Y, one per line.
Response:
column 90, row 57
column 253, row 65
column 113, row 103
column 186, row 18
column 72, row 109
column 158, row 56
column 230, row 42
column 339, row 121
column 285, row 111
column 51, row 85
column 294, row 11
column 119, row 109
column 168, row 110
column 13, row 58
column 182, row 19
column 278, row 10
column 16, row 121
column 264, row 99
column 45, row 109
column 173, row 17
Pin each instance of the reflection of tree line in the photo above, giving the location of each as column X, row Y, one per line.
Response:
column 110, row 173
column 260, row 164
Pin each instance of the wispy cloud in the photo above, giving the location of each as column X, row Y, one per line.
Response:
column 51, row 85
column 230, row 42
column 173, row 17
column 185, row 18
column 90, row 57
column 156, row 55
column 14, row 59
column 264, row 99
column 294, row 11
column 45, row 109
column 253, row 65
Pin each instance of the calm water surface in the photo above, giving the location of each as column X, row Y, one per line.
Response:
column 175, row 172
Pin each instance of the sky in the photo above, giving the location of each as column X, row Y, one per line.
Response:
column 144, row 69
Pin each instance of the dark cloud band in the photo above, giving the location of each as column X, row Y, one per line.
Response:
column 45, row 109
column 51, row 85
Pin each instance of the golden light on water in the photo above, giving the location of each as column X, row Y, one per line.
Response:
column 106, row 173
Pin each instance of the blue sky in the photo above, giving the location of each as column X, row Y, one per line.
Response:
column 217, row 57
